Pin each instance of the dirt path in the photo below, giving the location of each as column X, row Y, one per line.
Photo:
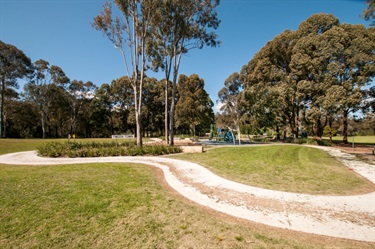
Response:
column 351, row 217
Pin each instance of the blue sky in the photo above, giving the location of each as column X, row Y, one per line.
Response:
column 59, row 32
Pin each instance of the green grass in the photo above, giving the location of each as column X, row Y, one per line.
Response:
column 366, row 140
column 122, row 206
column 297, row 169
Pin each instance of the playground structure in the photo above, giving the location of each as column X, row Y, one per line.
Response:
column 222, row 134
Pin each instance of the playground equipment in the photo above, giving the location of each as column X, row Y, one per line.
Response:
column 222, row 134
column 229, row 136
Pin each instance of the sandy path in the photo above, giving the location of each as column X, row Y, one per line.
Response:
column 351, row 217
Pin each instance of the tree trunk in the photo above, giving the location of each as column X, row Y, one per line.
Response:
column 278, row 132
column 330, row 129
column 315, row 130
column 345, row 127
column 172, row 109
column 43, row 125
column 5, row 128
column 296, row 126
column 239, row 134
column 171, row 119
column 166, row 130
column 2, row 108
column 137, row 115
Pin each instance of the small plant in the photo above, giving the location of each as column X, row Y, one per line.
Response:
column 219, row 238
column 239, row 238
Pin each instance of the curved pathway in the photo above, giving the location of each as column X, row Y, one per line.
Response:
column 351, row 217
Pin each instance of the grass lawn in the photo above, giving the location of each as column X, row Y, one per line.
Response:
column 125, row 206
column 366, row 140
column 290, row 168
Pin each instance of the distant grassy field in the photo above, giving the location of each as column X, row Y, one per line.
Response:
column 290, row 168
column 129, row 206
column 370, row 140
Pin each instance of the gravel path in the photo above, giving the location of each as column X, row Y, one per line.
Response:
column 350, row 217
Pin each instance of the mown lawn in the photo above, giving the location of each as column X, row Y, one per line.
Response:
column 365, row 140
column 298, row 169
column 124, row 206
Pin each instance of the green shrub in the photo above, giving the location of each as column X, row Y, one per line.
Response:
column 95, row 149
column 324, row 142
column 314, row 141
column 302, row 141
column 329, row 131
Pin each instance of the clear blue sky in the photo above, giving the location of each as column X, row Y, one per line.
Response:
column 59, row 32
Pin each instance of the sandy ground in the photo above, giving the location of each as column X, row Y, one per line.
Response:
column 350, row 217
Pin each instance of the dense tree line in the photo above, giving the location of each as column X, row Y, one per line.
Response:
column 53, row 106
column 306, row 80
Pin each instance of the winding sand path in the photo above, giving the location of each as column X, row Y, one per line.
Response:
column 350, row 217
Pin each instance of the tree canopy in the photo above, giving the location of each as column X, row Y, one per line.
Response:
column 310, row 75
column 14, row 65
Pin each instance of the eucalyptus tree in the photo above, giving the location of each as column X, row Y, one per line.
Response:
column 182, row 25
column 229, row 98
column 14, row 64
column 122, row 93
column 318, row 70
column 270, row 86
column 23, row 119
column 41, row 88
column 79, row 93
column 332, row 63
column 310, row 68
column 129, row 34
column 369, row 12
column 154, row 106
column 103, row 108
column 351, row 67
column 194, row 106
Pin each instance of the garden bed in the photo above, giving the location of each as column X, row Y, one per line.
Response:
column 95, row 149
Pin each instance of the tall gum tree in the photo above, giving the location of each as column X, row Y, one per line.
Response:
column 182, row 25
column 78, row 94
column 333, row 63
column 270, row 85
column 369, row 12
column 309, row 68
column 128, row 34
column 230, row 99
column 39, row 90
column 319, row 70
column 14, row 64
column 194, row 106
column 351, row 68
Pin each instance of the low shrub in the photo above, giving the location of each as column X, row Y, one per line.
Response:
column 324, row 142
column 314, row 141
column 95, row 149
